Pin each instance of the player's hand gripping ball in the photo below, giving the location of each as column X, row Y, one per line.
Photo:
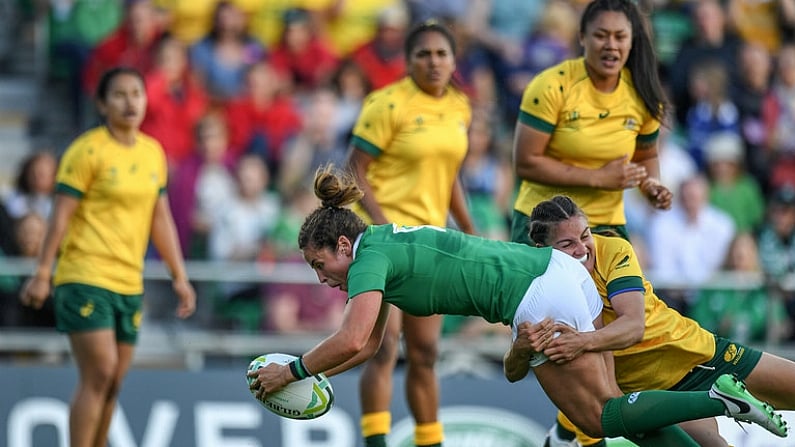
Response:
column 309, row 398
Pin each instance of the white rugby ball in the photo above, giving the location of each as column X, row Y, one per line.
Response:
column 309, row 398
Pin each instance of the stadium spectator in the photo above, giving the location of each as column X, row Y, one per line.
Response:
column 406, row 152
column 731, row 189
column 176, row 102
column 221, row 59
column 381, row 58
column 73, row 31
column 106, row 210
column 298, row 308
column 744, row 314
column 320, row 141
column 474, row 74
column 676, row 165
column 777, row 243
column 201, row 184
column 753, row 86
column 186, row 20
column 350, row 85
column 133, row 43
column 347, row 24
column 552, row 41
column 760, row 23
column 711, row 42
column 301, row 56
column 382, row 265
column 240, row 225
column 778, row 115
column 264, row 118
column 487, row 179
column 34, row 186
column 703, row 234
column 711, row 110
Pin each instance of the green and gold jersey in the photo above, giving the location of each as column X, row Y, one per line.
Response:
column 425, row 270
column 419, row 143
column 588, row 129
column 672, row 344
column 118, row 187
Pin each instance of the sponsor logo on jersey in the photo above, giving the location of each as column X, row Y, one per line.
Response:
column 604, row 114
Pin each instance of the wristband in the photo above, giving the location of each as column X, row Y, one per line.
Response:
column 298, row 369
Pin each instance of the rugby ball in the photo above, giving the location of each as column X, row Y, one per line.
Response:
column 309, row 398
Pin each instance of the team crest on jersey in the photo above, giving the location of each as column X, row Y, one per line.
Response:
column 733, row 354
column 631, row 124
column 623, row 263
column 87, row 309
column 572, row 116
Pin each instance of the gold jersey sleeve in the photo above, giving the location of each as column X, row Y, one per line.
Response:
column 588, row 129
column 109, row 232
column 418, row 142
column 672, row 344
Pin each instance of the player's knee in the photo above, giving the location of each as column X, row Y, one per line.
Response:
column 387, row 352
column 422, row 354
column 100, row 379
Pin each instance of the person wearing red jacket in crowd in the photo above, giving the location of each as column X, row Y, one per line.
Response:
column 382, row 58
column 264, row 118
column 305, row 59
column 133, row 44
column 177, row 101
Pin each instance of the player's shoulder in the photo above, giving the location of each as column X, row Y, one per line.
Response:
column 148, row 142
column 567, row 71
column 608, row 246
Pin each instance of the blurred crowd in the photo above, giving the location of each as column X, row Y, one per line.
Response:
column 248, row 97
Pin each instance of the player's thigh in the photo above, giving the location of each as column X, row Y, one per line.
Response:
column 95, row 353
column 422, row 334
column 704, row 432
column 579, row 388
column 773, row 380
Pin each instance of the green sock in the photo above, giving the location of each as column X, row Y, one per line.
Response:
column 375, row 441
column 642, row 412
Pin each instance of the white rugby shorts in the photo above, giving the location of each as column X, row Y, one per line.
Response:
column 566, row 293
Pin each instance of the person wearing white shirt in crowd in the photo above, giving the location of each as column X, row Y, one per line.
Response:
column 688, row 244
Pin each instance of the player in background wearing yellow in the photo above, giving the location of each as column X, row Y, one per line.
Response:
column 654, row 346
column 110, row 201
column 426, row 270
column 588, row 127
column 407, row 148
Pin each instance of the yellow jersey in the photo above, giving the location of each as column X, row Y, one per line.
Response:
column 419, row 143
column 118, row 187
column 672, row 344
column 588, row 129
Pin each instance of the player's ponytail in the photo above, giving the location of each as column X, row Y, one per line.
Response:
column 323, row 227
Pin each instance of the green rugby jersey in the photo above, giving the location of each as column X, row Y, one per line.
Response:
column 425, row 270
